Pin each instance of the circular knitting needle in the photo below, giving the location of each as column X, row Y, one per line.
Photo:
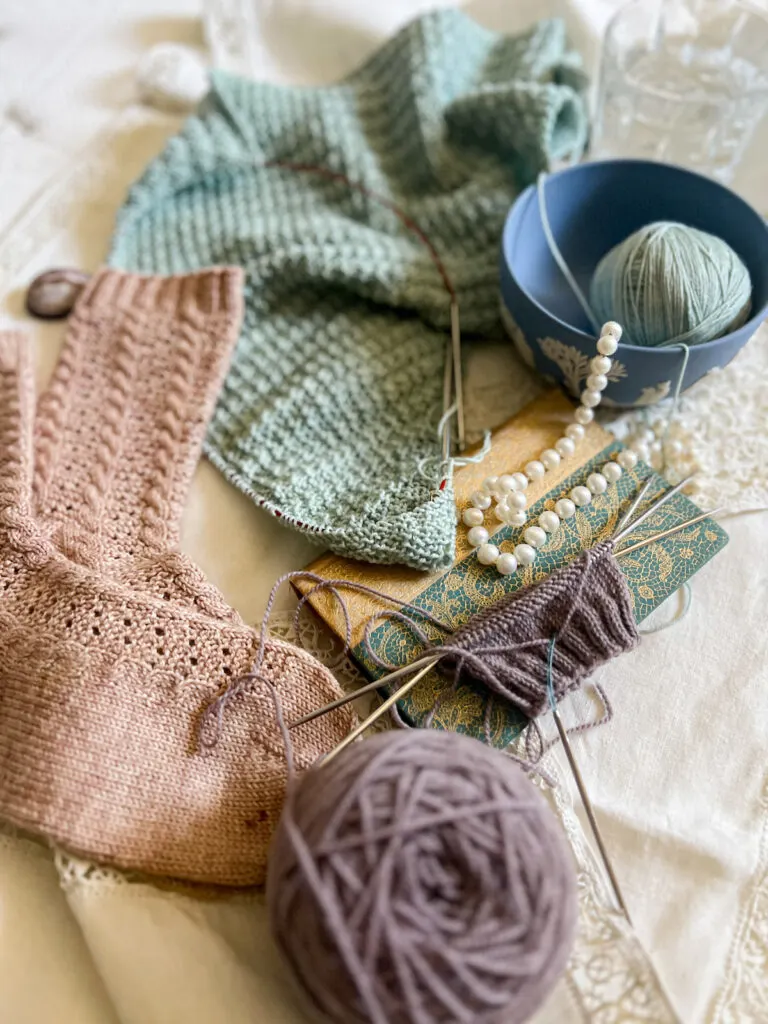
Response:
column 457, row 373
column 379, row 711
column 447, row 401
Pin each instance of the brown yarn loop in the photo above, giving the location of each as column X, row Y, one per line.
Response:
column 419, row 878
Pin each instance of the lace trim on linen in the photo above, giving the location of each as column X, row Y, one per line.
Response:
column 609, row 974
column 743, row 997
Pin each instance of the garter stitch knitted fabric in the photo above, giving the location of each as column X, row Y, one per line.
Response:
column 111, row 642
column 329, row 415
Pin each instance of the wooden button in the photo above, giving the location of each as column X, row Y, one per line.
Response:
column 53, row 293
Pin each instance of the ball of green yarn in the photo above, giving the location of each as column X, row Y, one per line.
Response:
column 668, row 283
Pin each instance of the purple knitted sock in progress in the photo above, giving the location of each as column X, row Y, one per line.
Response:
column 586, row 606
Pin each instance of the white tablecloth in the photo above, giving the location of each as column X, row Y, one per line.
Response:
column 679, row 778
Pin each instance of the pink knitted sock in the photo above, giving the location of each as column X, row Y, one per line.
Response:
column 118, row 432
column 102, row 682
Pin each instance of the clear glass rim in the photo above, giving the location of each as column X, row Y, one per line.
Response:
column 742, row 5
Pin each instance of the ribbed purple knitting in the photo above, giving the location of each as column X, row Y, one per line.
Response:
column 586, row 607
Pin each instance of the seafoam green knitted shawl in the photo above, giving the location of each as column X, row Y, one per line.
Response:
column 329, row 415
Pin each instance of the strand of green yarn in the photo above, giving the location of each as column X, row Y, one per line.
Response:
column 669, row 283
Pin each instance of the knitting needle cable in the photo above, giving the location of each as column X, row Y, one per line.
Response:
column 296, row 167
column 445, row 423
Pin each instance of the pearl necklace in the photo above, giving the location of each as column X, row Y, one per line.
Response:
column 508, row 491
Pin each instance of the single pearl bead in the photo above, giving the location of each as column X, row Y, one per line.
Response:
column 487, row 554
column 477, row 535
column 491, row 485
column 589, row 398
column 600, row 364
column 564, row 447
column 549, row 521
column 597, row 381
column 535, row 470
column 507, row 483
column 517, row 519
column 565, row 508
column 575, row 431
column 580, row 496
column 641, row 451
column 612, row 472
column 525, row 554
column 611, row 329
column 473, row 517
column 583, row 415
column 597, row 483
column 502, row 512
column 627, row 459
column 607, row 345
column 506, row 563
column 516, row 501
column 535, row 536
column 550, row 458
column 481, row 500
column 521, row 480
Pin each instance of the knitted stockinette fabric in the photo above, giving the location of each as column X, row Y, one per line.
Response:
column 329, row 415
column 112, row 643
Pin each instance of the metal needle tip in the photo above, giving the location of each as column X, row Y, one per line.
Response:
column 667, row 533
column 635, row 502
column 577, row 777
column 380, row 710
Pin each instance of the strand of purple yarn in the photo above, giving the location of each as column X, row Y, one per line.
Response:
column 467, row 656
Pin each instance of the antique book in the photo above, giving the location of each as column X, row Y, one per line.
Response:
column 455, row 594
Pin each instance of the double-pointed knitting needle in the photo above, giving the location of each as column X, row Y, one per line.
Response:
column 667, row 533
column 430, row 662
column 635, row 502
column 404, row 670
column 384, row 706
column 622, row 531
column 587, row 804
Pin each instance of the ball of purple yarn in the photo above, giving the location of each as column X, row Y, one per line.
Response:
column 420, row 878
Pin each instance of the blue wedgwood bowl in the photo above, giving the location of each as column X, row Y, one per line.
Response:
column 591, row 208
